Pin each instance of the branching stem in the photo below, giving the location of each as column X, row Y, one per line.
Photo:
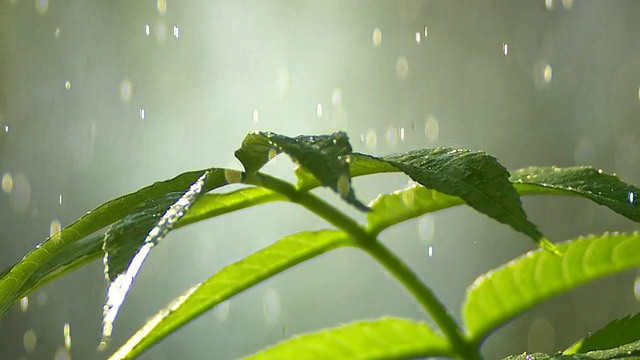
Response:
column 369, row 243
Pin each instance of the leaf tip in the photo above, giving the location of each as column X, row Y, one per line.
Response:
column 549, row 246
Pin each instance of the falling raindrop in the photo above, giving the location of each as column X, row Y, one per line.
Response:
column 126, row 90
column 162, row 6
column 319, row 110
column 60, row 199
column 547, row 74
column 271, row 306
column 66, row 332
column 24, row 304
column 401, row 134
column 29, row 340
column 56, row 33
column 431, row 128
column 62, row 354
column 336, row 96
column 67, row 85
column 418, row 37
column 255, row 116
column 430, row 251
column 377, row 37
column 42, row 6
column 391, row 135
column 142, row 113
column 505, row 48
column 567, row 4
column 548, row 4
column 632, row 197
column 7, row 183
column 371, row 139
column 402, row 67
column 147, row 29
column 6, row 128
column 176, row 32
column 426, row 228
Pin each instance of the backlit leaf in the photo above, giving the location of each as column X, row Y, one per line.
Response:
column 501, row 294
column 618, row 332
column 386, row 338
column 231, row 280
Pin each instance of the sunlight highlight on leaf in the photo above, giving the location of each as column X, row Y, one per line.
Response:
column 501, row 294
column 119, row 287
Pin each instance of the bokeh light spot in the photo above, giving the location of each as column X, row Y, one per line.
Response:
column 377, row 37
column 7, row 183
column 271, row 306
column 29, row 340
column 402, row 67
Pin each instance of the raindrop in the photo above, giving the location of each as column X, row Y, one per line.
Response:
column 271, row 306
column 29, row 340
column 161, row 31
column 505, row 48
column 67, row 85
column 600, row 171
column 60, row 199
column 6, row 128
column 42, row 298
column 42, row 6
column 54, row 227
column 142, row 113
column 176, row 32
column 430, row 251
column 548, row 4
column 221, row 311
column 24, row 304
column 431, row 128
column 426, row 228
column 371, row 139
column 56, row 33
column 361, row 138
column 418, row 37
column 391, row 135
column 7, row 183
column 126, row 90
column 541, row 336
column 336, row 96
column 272, row 153
column 66, row 331
column 147, row 29
column 255, row 116
column 632, row 197
column 20, row 196
column 401, row 134
column 162, row 6
column 547, row 74
column 377, row 37
column 567, row 4
column 319, row 110
column 425, row 31
column 402, row 67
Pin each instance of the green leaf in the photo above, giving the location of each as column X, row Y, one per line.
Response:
column 501, row 294
column 231, row 280
column 604, row 189
column 475, row 177
column 386, row 338
column 625, row 352
column 12, row 281
column 390, row 209
column 618, row 332
column 327, row 157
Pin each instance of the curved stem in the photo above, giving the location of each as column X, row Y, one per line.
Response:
column 369, row 243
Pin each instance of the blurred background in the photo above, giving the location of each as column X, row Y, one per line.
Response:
column 100, row 98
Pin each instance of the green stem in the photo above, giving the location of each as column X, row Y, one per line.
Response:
column 369, row 243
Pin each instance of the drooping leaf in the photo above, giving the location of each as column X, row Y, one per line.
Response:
column 618, row 332
column 499, row 295
column 11, row 284
column 625, row 352
column 604, row 189
column 327, row 157
column 475, row 177
column 231, row 280
column 386, row 338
